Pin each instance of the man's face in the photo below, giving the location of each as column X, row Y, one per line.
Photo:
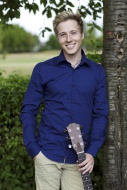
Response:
column 69, row 37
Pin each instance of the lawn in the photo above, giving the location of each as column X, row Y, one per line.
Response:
column 23, row 63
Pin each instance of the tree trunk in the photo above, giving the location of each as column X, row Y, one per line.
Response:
column 115, row 63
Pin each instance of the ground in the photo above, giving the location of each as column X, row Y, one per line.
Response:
column 23, row 63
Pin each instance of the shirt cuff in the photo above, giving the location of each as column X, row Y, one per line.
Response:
column 92, row 149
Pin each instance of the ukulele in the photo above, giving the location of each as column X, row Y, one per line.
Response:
column 78, row 145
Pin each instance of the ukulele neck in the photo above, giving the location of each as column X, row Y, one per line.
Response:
column 81, row 156
column 85, row 177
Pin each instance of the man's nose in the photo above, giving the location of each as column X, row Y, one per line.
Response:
column 68, row 37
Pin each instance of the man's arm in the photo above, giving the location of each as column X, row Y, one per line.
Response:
column 99, row 122
column 33, row 98
column 100, row 114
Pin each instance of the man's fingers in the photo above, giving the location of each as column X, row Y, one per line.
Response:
column 82, row 164
column 91, row 169
column 88, row 169
column 87, row 165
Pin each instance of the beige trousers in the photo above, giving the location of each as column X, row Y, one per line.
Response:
column 50, row 175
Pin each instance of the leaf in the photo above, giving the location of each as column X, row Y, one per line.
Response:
column 53, row 2
column 63, row 8
column 44, row 2
column 44, row 11
column 91, row 29
column 35, row 7
column 97, row 27
column 70, row 4
column 23, row 167
column 48, row 29
column 49, row 13
column 43, row 33
column 60, row 3
column 92, row 42
column 17, row 14
column 90, row 24
column 7, row 168
column 88, row 12
column 97, row 5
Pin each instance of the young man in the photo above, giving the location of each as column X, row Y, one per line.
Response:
column 73, row 89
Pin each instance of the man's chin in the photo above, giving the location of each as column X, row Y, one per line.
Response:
column 70, row 52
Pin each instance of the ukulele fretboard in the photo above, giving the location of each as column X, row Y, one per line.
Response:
column 85, row 177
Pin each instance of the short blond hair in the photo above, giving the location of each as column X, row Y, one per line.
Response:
column 67, row 15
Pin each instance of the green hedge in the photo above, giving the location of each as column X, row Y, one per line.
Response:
column 16, row 167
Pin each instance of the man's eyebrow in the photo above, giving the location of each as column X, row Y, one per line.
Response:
column 73, row 31
column 65, row 32
column 62, row 32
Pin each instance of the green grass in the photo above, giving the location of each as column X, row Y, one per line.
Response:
column 23, row 63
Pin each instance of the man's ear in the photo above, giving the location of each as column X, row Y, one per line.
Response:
column 83, row 35
column 57, row 38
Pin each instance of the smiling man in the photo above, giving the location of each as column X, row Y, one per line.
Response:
column 70, row 38
column 73, row 89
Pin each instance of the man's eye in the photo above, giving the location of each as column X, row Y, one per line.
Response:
column 73, row 32
column 62, row 34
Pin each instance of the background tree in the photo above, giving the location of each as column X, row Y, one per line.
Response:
column 92, row 42
column 52, row 43
column 16, row 40
column 115, row 62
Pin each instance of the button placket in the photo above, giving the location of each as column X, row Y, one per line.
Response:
column 72, row 95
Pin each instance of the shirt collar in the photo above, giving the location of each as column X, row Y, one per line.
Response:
column 61, row 58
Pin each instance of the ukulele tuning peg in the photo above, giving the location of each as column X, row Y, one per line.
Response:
column 81, row 126
column 65, row 130
column 78, row 128
column 69, row 146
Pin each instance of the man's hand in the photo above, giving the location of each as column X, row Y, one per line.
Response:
column 87, row 165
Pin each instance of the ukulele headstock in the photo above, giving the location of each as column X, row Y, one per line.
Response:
column 76, row 137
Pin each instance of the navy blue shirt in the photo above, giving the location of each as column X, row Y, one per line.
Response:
column 70, row 96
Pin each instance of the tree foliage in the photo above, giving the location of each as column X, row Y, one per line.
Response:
column 16, row 167
column 11, row 9
column 52, row 43
column 92, row 42
column 16, row 39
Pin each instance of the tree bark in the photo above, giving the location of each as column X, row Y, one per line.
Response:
column 115, row 63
